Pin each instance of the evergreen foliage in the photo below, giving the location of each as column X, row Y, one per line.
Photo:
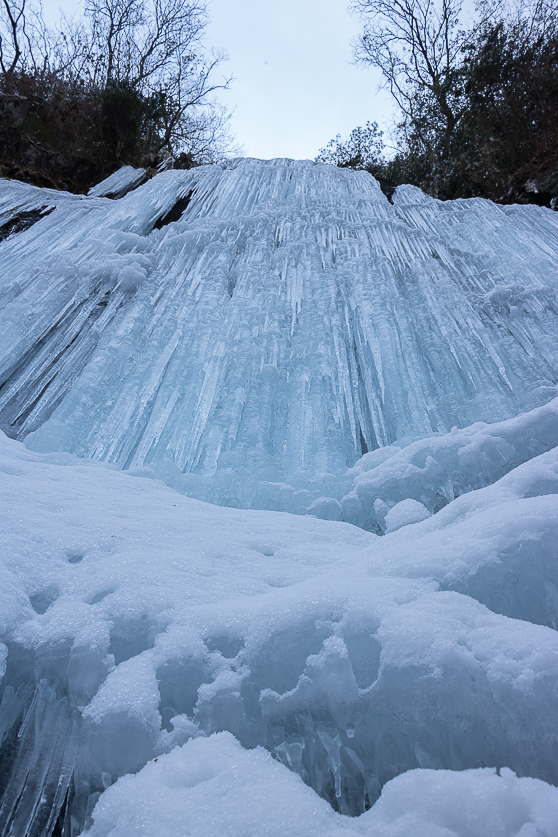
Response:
column 362, row 150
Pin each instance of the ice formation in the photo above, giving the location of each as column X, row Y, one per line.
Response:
column 118, row 184
column 276, row 336
column 248, row 332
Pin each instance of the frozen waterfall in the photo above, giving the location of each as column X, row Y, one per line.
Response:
column 288, row 321
column 276, row 336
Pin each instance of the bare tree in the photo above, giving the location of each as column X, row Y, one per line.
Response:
column 153, row 47
column 141, row 41
column 418, row 46
column 130, row 82
column 10, row 35
column 147, row 52
column 23, row 36
column 477, row 103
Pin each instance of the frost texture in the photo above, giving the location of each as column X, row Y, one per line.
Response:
column 278, row 337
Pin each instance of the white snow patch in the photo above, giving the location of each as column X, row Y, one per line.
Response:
column 404, row 513
column 212, row 786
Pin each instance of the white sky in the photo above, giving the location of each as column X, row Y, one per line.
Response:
column 295, row 87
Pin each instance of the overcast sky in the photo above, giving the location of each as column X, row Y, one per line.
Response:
column 295, row 87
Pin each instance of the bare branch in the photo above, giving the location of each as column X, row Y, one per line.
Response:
column 14, row 24
column 141, row 61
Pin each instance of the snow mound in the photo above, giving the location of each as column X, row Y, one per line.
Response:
column 435, row 470
column 404, row 513
column 136, row 621
column 212, row 786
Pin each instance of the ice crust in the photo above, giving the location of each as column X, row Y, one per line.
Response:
column 286, row 322
column 276, row 336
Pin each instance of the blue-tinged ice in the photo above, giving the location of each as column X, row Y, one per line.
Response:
column 277, row 337
column 286, row 322
column 119, row 183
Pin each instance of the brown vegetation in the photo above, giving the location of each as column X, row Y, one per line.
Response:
column 128, row 84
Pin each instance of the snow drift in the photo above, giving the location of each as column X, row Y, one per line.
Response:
column 277, row 337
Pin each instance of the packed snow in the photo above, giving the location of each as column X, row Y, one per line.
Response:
column 211, row 786
column 277, row 337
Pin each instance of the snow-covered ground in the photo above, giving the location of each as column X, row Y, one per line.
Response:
column 150, row 622
column 292, row 342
